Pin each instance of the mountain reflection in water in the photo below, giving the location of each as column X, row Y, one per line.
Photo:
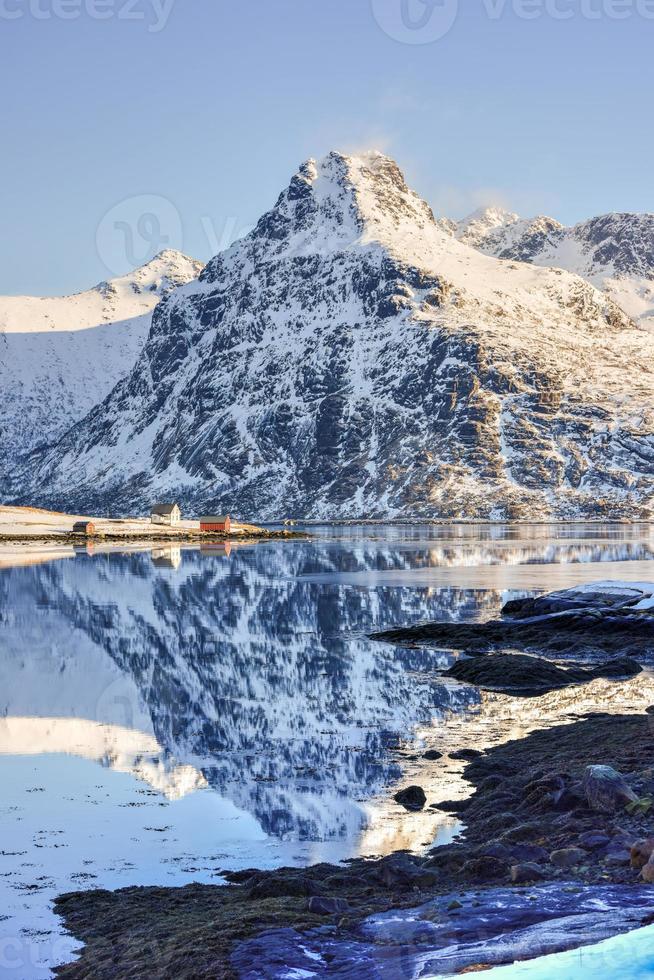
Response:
column 242, row 677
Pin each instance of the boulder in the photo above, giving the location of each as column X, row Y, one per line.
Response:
column 485, row 868
column 593, row 840
column 412, row 798
column 522, row 874
column 567, row 857
column 432, row 755
column 606, row 790
column 641, row 852
column 647, row 874
column 399, row 871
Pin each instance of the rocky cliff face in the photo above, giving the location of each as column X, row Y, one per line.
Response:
column 615, row 252
column 351, row 358
column 60, row 356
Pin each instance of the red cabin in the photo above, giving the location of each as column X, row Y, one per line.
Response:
column 84, row 527
column 214, row 522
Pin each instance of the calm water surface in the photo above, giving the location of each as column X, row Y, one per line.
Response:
column 168, row 714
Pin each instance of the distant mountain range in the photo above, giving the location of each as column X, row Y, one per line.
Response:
column 60, row 356
column 615, row 252
column 353, row 356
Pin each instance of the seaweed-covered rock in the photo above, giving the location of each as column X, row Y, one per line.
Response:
column 526, row 675
column 412, row 798
column 606, row 790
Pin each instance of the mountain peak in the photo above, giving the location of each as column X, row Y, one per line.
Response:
column 487, row 219
column 339, row 201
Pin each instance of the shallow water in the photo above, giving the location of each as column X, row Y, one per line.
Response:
column 166, row 714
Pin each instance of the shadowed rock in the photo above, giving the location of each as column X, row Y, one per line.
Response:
column 519, row 674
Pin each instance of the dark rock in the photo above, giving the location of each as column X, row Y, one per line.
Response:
column 400, row 872
column 520, row 674
column 485, row 869
column 412, row 798
column 593, row 840
column 568, row 857
column 466, row 754
column 606, row 790
column 432, row 755
column 449, row 806
column 526, row 872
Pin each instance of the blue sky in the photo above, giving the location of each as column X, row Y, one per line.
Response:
column 179, row 124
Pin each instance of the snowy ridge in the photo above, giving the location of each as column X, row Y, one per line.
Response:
column 60, row 356
column 350, row 357
column 615, row 252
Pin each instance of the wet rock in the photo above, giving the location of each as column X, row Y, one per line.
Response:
column 328, row 906
column 432, row 755
column 647, row 874
column 502, row 924
column 568, row 857
column 641, row 852
column 465, row 754
column 606, row 790
column 593, row 840
column 527, row 871
column 412, row 798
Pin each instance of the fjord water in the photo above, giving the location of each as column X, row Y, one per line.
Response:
column 170, row 714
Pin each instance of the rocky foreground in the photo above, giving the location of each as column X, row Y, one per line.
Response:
column 557, row 852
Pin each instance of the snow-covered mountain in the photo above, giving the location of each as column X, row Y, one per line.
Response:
column 350, row 357
column 60, row 356
column 615, row 252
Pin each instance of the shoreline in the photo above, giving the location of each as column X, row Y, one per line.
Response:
column 521, row 829
column 183, row 537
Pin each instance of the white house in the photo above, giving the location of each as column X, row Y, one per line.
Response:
column 166, row 514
